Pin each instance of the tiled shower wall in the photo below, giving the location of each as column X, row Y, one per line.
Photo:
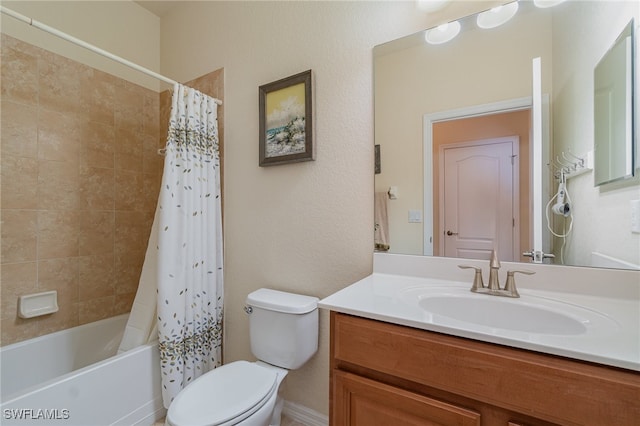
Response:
column 80, row 178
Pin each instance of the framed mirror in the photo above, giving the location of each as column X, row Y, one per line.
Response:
column 613, row 111
column 477, row 87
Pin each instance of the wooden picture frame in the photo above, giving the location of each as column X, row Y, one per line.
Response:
column 286, row 121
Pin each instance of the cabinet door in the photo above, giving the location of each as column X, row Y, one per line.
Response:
column 364, row 402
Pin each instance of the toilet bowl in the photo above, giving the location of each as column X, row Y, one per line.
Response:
column 283, row 328
column 239, row 393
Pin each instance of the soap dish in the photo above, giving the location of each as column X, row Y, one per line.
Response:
column 35, row 305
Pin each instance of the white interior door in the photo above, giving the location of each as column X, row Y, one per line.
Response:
column 479, row 198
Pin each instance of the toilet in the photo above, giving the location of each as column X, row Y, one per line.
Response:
column 283, row 329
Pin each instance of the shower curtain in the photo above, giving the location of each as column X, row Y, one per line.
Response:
column 190, row 280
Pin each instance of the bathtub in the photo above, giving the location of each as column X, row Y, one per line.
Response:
column 74, row 377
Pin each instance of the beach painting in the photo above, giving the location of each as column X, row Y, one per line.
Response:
column 285, row 114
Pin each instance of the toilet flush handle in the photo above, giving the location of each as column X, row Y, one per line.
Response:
column 248, row 310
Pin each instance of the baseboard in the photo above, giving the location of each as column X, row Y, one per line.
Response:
column 304, row 415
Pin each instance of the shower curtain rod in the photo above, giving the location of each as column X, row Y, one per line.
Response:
column 44, row 27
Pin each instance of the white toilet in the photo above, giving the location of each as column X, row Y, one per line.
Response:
column 283, row 328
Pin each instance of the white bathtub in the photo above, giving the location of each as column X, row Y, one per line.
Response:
column 74, row 377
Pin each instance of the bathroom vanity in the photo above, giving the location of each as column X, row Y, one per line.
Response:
column 395, row 362
column 385, row 374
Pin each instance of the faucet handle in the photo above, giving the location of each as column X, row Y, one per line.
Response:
column 510, row 285
column 477, row 279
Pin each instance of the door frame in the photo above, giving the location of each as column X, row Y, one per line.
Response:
column 428, row 120
column 515, row 185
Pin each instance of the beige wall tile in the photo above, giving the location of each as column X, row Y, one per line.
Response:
column 128, row 108
column 151, row 114
column 127, row 273
column 66, row 317
column 19, row 235
column 18, row 279
column 59, row 81
column 58, row 184
column 97, row 145
column 131, row 229
column 20, row 76
column 98, row 94
column 152, row 161
column 96, row 309
column 151, row 189
column 129, row 190
column 19, row 128
column 97, row 277
column 61, row 275
column 165, row 114
column 58, row 136
column 19, row 182
column 80, row 162
column 96, row 232
column 128, row 150
column 18, row 329
column 132, row 235
column 58, row 232
column 97, row 188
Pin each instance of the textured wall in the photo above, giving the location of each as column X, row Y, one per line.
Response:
column 305, row 227
column 80, row 179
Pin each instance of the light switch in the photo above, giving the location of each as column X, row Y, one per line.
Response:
column 635, row 216
column 415, row 216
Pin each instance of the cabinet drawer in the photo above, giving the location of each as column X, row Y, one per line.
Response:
column 363, row 402
column 547, row 387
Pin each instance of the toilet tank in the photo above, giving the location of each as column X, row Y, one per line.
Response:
column 283, row 327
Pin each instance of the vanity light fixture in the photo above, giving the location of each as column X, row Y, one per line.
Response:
column 442, row 33
column 431, row 5
column 497, row 16
column 546, row 3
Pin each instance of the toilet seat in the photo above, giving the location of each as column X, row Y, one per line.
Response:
column 223, row 396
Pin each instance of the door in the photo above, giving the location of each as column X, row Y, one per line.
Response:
column 479, row 199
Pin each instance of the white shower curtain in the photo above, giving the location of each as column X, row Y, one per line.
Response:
column 190, row 281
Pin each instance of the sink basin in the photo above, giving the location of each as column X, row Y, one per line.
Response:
column 528, row 315
column 489, row 311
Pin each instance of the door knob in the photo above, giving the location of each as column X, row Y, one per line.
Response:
column 449, row 233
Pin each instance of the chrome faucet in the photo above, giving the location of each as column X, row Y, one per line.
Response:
column 494, row 289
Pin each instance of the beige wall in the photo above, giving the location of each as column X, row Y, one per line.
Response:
column 305, row 227
column 80, row 180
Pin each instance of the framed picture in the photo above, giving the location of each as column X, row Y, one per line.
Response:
column 286, row 132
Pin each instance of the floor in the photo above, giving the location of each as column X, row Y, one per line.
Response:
column 290, row 422
column 285, row 422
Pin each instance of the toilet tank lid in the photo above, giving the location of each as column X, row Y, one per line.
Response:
column 281, row 301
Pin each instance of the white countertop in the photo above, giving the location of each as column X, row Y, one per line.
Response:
column 390, row 298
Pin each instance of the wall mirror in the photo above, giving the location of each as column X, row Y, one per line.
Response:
column 471, row 98
column 613, row 111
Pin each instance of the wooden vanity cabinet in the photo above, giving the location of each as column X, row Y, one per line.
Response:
column 391, row 375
